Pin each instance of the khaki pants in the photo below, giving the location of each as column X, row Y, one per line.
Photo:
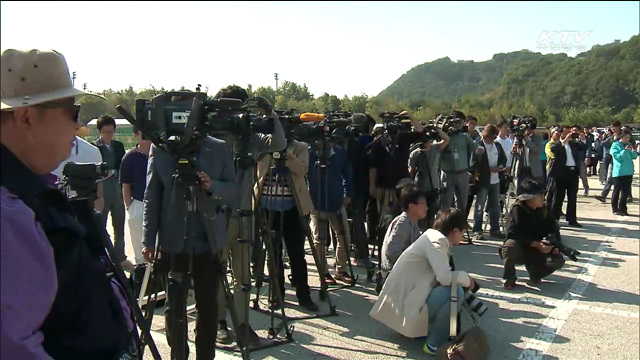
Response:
column 339, row 224
column 240, row 259
column 385, row 198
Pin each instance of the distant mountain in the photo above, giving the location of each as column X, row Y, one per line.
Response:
column 607, row 76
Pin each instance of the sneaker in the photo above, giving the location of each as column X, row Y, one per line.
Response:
column 600, row 198
column 429, row 349
column 222, row 336
column 478, row 236
column 344, row 277
column 329, row 279
column 510, row 284
column 586, row 192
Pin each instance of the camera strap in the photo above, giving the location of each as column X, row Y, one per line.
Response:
column 453, row 318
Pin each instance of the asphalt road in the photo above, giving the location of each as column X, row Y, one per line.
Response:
column 587, row 310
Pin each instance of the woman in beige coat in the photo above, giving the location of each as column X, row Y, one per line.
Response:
column 415, row 298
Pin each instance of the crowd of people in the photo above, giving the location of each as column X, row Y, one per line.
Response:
column 409, row 193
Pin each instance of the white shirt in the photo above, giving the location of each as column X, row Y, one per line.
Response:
column 570, row 160
column 82, row 152
column 492, row 156
column 507, row 144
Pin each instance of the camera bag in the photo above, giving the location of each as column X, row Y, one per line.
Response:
column 469, row 345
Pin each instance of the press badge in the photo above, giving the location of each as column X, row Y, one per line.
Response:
column 455, row 155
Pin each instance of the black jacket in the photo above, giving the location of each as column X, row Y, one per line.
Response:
column 357, row 154
column 480, row 164
column 86, row 320
column 525, row 225
column 118, row 150
column 558, row 168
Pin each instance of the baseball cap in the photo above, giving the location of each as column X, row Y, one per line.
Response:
column 31, row 77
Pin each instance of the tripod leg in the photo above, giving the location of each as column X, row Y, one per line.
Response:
column 343, row 227
column 178, row 291
column 244, row 350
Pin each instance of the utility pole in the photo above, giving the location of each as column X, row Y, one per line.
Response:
column 73, row 79
column 84, row 86
column 276, row 77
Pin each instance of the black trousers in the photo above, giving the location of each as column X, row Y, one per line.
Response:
column 373, row 217
column 538, row 265
column 558, row 188
column 288, row 224
column 621, row 192
column 358, row 216
column 206, row 272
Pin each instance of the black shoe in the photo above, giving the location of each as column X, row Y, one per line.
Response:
column 575, row 224
column 222, row 336
column 307, row 303
column 252, row 337
column 600, row 198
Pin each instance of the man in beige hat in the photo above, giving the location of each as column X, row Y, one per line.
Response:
column 57, row 300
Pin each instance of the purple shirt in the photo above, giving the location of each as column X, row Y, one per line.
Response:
column 28, row 280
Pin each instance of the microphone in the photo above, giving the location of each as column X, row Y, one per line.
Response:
column 311, row 117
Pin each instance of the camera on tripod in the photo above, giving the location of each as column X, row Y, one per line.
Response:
column 520, row 124
column 449, row 124
column 394, row 123
column 81, row 178
column 564, row 249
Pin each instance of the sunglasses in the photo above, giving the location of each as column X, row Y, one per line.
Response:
column 57, row 105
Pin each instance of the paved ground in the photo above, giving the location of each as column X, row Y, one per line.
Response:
column 587, row 310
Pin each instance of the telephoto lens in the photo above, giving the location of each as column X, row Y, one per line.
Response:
column 475, row 304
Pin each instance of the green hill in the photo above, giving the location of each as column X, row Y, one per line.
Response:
column 604, row 80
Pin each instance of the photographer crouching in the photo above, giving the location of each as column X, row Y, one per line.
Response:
column 528, row 223
column 415, row 299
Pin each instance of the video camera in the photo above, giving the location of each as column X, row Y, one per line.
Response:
column 81, row 178
column 520, row 124
column 176, row 121
column 394, row 123
column 564, row 249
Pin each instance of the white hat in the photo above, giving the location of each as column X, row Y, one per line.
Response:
column 33, row 77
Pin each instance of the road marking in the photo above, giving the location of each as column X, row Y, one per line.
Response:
column 484, row 293
column 546, row 334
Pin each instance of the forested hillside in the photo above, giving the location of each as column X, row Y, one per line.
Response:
column 591, row 89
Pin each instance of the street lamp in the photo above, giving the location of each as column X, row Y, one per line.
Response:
column 276, row 77
column 73, row 78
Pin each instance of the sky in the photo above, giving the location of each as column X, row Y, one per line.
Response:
column 343, row 48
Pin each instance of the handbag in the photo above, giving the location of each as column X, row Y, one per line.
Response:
column 469, row 345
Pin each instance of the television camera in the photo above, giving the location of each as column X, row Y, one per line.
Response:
column 394, row 123
column 176, row 121
column 520, row 124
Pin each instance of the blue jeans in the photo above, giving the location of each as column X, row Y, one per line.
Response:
column 493, row 194
column 439, row 307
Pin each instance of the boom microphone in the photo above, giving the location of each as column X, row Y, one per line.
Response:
column 311, row 117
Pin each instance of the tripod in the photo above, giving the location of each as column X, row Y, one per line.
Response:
column 323, row 165
column 179, row 279
column 83, row 208
column 280, row 177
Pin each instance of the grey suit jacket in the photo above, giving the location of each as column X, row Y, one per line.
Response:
column 165, row 211
column 535, row 149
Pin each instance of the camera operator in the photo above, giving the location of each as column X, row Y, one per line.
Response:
column 471, row 124
column 167, row 216
column 528, row 223
column 415, row 299
column 356, row 148
column 331, row 194
column 59, row 300
column 454, row 163
column 389, row 159
column 404, row 229
column 423, row 168
column 564, row 174
column 529, row 165
column 258, row 143
column 278, row 197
